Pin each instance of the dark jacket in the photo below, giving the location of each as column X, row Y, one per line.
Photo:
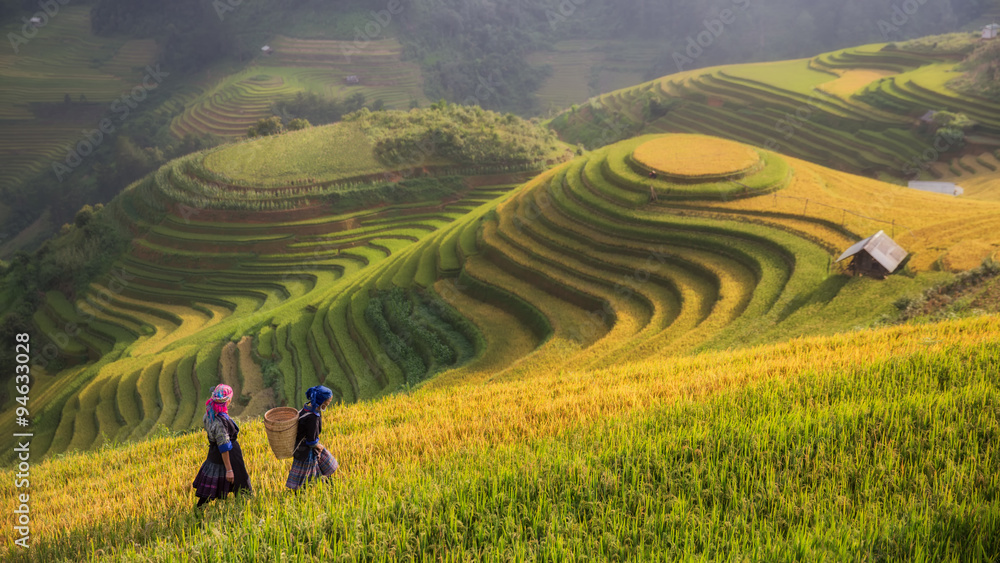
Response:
column 310, row 425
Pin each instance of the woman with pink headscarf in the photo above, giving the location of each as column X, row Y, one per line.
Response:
column 223, row 470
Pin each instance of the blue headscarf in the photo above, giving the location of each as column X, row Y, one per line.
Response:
column 317, row 396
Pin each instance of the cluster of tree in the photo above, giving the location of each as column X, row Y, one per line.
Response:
column 320, row 110
column 982, row 77
column 460, row 134
column 273, row 126
column 403, row 323
column 191, row 33
column 87, row 248
column 122, row 158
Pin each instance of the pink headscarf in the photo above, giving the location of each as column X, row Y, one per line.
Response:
column 218, row 400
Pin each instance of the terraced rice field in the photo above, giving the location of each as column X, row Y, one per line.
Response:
column 564, row 300
column 229, row 106
column 855, row 110
column 582, row 68
column 62, row 58
column 977, row 175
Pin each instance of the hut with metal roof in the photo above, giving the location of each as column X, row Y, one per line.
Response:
column 877, row 256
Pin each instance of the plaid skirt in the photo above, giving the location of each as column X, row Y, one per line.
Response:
column 211, row 479
column 302, row 471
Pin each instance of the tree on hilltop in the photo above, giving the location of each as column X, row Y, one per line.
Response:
column 298, row 124
column 266, row 127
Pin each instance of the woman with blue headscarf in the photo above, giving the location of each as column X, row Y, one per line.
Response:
column 312, row 459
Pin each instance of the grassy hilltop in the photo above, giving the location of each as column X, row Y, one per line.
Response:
column 563, row 367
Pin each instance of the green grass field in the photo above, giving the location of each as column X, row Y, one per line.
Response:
column 319, row 154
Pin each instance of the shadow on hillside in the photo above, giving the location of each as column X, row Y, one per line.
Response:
column 824, row 293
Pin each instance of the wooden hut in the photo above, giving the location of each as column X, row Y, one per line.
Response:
column 266, row 49
column 877, row 256
column 991, row 31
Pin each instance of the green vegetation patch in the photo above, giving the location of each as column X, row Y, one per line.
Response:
column 795, row 75
column 419, row 333
column 460, row 134
column 326, row 153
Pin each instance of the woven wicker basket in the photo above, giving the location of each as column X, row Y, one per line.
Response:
column 281, row 424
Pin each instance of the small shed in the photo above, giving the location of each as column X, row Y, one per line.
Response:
column 947, row 188
column 991, row 31
column 35, row 21
column 353, row 79
column 877, row 256
column 266, row 49
column 928, row 117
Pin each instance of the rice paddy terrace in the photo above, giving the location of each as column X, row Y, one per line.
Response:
column 856, row 110
column 584, row 67
column 227, row 107
column 269, row 290
column 63, row 58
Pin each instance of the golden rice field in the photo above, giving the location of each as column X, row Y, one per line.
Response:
column 933, row 227
column 433, row 432
column 695, row 157
column 850, row 81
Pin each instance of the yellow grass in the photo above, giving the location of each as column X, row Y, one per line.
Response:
column 430, row 423
column 984, row 185
column 851, row 81
column 695, row 156
column 930, row 226
column 503, row 344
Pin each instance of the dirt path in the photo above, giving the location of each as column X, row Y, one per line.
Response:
column 261, row 396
